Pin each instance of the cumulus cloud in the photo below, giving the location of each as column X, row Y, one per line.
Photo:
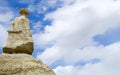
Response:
column 109, row 65
column 74, row 26
column 69, row 39
column 43, row 5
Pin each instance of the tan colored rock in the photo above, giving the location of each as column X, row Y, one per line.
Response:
column 19, row 37
column 22, row 64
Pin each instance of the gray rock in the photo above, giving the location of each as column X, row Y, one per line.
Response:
column 22, row 64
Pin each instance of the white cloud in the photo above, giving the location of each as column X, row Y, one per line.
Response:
column 109, row 65
column 3, row 35
column 74, row 27
column 6, row 15
column 71, row 37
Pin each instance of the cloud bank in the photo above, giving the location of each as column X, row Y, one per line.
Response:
column 71, row 39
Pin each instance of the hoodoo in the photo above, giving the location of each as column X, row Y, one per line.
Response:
column 16, row 58
column 19, row 36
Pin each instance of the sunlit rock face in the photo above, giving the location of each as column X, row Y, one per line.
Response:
column 16, row 58
column 19, row 36
column 22, row 64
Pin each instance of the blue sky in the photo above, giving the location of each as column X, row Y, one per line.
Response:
column 73, row 37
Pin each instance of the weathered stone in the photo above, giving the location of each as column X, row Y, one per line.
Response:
column 22, row 64
column 19, row 37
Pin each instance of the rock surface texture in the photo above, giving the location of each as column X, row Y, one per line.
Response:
column 22, row 64
column 19, row 36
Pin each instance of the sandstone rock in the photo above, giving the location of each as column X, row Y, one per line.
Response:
column 19, row 37
column 22, row 64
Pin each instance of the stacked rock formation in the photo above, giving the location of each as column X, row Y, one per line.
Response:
column 16, row 58
column 19, row 37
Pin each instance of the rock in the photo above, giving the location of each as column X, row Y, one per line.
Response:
column 22, row 64
column 19, row 37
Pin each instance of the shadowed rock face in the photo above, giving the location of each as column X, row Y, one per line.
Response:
column 24, row 48
column 19, row 36
column 22, row 64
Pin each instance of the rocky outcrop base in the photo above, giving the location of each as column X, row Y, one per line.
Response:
column 22, row 64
